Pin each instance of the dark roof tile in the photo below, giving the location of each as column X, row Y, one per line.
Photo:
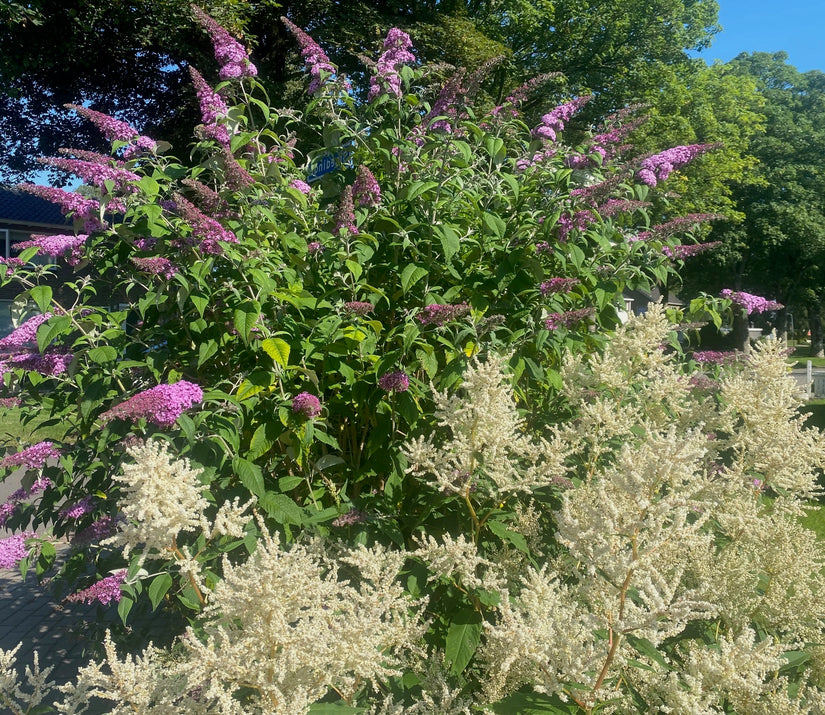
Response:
column 25, row 208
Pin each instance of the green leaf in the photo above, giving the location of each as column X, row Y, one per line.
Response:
column 645, row 647
column 463, row 637
column 502, row 532
column 158, row 588
column 328, row 460
column 450, row 241
column 245, row 319
column 46, row 558
column 42, row 295
column 250, row 475
column 149, row 186
column 532, row 703
column 200, row 302
column 262, row 440
column 411, row 275
column 281, row 508
column 277, row 349
column 354, row 268
column 206, row 350
column 103, row 354
column 125, row 605
column 494, row 223
column 333, row 709
column 287, row 484
column 51, row 329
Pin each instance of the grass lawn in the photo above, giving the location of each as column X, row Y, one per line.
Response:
column 815, row 520
column 14, row 433
column 800, row 356
column 816, row 408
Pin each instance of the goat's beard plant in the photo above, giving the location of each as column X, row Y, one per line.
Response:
column 249, row 413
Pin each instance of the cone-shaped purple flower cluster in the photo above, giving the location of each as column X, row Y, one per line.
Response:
column 315, row 58
column 567, row 319
column 751, row 303
column 59, row 246
column 397, row 381
column 213, row 108
column 94, row 173
column 104, row 591
column 161, row 405
column 25, row 334
column 13, row 550
column 230, row 54
column 658, row 167
column 679, row 253
column 206, row 229
column 34, row 457
column 50, row 363
column 396, row 52
column 554, row 122
column 366, row 190
column 558, row 285
column 436, row 314
column 345, row 213
column 85, row 209
column 156, row 265
column 116, row 130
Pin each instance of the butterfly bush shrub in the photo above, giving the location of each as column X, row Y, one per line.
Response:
column 341, row 393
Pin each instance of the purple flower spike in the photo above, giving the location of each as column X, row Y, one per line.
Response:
column 161, row 405
column 229, row 53
column 315, row 58
column 301, row 186
column 658, row 167
column 306, row 405
column 34, row 457
column 104, row 591
column 751, row 303
column 13, row 549
column 157, row 266
column 436, row 314
column 366, row 190
column 26, row 334
column 396, row 53
column 567, row 319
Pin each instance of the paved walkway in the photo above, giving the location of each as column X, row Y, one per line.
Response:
column 30, row 615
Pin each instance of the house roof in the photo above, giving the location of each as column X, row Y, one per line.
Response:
column 25, row 209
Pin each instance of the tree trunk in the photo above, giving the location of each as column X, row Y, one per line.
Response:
column 815, row 324
column 782, row 324
column 739, row 334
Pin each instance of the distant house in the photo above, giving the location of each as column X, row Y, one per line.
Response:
column 636, row 301
column 22, row 215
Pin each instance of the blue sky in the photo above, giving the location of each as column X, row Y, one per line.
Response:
column 795, row 26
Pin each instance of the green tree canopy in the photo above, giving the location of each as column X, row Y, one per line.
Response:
column 779, row 248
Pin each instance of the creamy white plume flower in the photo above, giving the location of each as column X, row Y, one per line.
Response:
column 160, row 497
column 458, row 559
column 17, row 696
column 286, row 624
column 488, row 448
column 666, row 524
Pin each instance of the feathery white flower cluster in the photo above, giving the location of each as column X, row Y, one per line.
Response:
column 12, row 694
column 488, row 449
column 162, row 497
column 669, row 524
column 285, row 627
column 458, row 559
